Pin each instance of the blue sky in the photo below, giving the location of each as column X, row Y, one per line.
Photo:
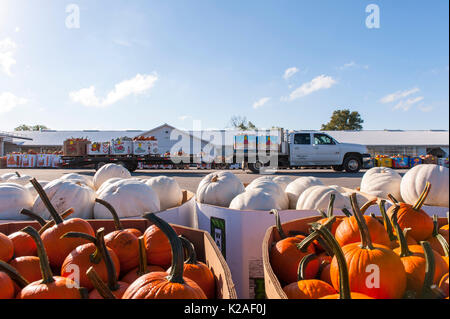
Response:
column 138, row 64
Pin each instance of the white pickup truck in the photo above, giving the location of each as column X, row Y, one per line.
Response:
column 306, row 149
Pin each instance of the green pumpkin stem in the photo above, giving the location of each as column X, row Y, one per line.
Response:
column 111, row 269
column 99, row 285
column 142, row 269
column 366, row 206
column 322, row 212
column 430, row 269
column 386, row 221
column 278, row 223
column 417, row 206
column 46, row 271
column 331, row 205
column 366, row 241
column 34, row 216
column 393, row 199
column 96, row 256
column 13, row 274
column 177, row 267
column 50, row 223
column 301, row 272
column 17, row 174
column 404, row 249
column 191, row 254
column 346, row 212
column 344, row 285
column 308, row 240
column 113, row 212
column 46, row 201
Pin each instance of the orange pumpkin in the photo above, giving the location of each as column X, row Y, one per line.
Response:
column 143, row 268
column 429, row 289
column 28, row 267
column 58, row 248
column 443, row 284
column 160, row 285
column 436, row 240
column 9, row 280
column 6, row 248
column 124, row 242
column 369, row 262
column 50, row 287
column 412, row 216
column 197, row 271
column 157, row 247
column 307, row 288
column 87, row 255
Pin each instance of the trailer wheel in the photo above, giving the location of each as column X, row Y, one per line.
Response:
column 255, row 167
column 99, row 165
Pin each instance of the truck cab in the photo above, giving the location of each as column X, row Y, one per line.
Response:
column 315, row 148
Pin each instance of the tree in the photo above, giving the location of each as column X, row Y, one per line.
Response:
column 344, row 120
column 241, row 123
column 24, row 127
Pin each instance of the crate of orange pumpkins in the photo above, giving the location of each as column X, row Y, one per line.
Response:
column 401, row 254
column 73, row 258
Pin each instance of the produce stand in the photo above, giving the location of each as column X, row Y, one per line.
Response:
column 205, row 248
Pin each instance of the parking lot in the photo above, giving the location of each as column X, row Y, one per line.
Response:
column 189, row 179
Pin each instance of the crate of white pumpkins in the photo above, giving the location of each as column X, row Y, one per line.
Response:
column 237, row 217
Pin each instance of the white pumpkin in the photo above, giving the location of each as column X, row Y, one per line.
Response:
column 64, row 195
column 271, row 188
column 87, row 180
column 255, row 199
column 32, row 190
column 414, row 181
column 109, row 171
column 282, row 181
column 219, row 188
column 168, row 191
column 22, row 180
column 108, row 182
column 297, row 187
column 381, row 181
column 13, row 198
column 318, row 197
column 130, row 198
column 5, row 177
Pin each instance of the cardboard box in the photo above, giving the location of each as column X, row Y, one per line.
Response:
column 13, row 160
column 239, row 234
column 28, row 160
column 44, row 160
column 182, row 215
column 121, row 147
column 400, row 162
column 273, row 288
column 141, row 147
column 97, row 148
column 269, row 142
column 75, row 147
column 55, row 160
column 205, row 248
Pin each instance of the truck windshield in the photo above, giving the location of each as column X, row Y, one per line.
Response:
column 322, row 139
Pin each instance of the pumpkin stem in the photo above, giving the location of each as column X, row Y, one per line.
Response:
column 393, row 199
column 322, row 212
column 13, row 274
column 439, row 237
column 430, row 269
column 366, row 206
column 346, row 212
column 110, row 268
column 422, row 197
column 278, row 223
column 95, row 257
column 330, row 205
column 34, row 216
column 366, row 241
column 17, row 173
column 404, row 249
column 191, row 254
column 99, row 285
column 177, row 267
column 302, row 266
column 386, row 221
column 344, row 285
column 142, row 270
column 214, row 179
column 113, row 212
column 303, row 245
column 50, row 223
column 84, row 293
column 46, row 201
column 46, row 271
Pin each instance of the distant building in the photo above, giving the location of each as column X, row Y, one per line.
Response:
column 386, row 142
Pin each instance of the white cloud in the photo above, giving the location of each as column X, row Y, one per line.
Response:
column 261, row 102
column 9, row 101
column 7, row 49
column 290, row 72
column 320, row 82
column 184, row 117
column 17, row 29
column 353, row 64
column 398, row 95
column 137, row 85
column 428, row 108
column 406, row 104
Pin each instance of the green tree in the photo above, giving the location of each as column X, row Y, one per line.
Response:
column 24, row 127
column 344, row 120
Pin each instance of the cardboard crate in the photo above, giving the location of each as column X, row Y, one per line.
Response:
column 44, row 160
column 141, row 147
column 205, row 248
column 121, row 147
column 28, row 160
column 400, row 162
column 72, row 147
column 13, row 160
column 97, row 148
column 273, row 288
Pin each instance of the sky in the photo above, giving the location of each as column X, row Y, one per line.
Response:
column 116, row 64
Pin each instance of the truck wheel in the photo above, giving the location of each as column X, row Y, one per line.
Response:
column 338, row 168
column 255, row 167
column 352, row 164
column 131, row 167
